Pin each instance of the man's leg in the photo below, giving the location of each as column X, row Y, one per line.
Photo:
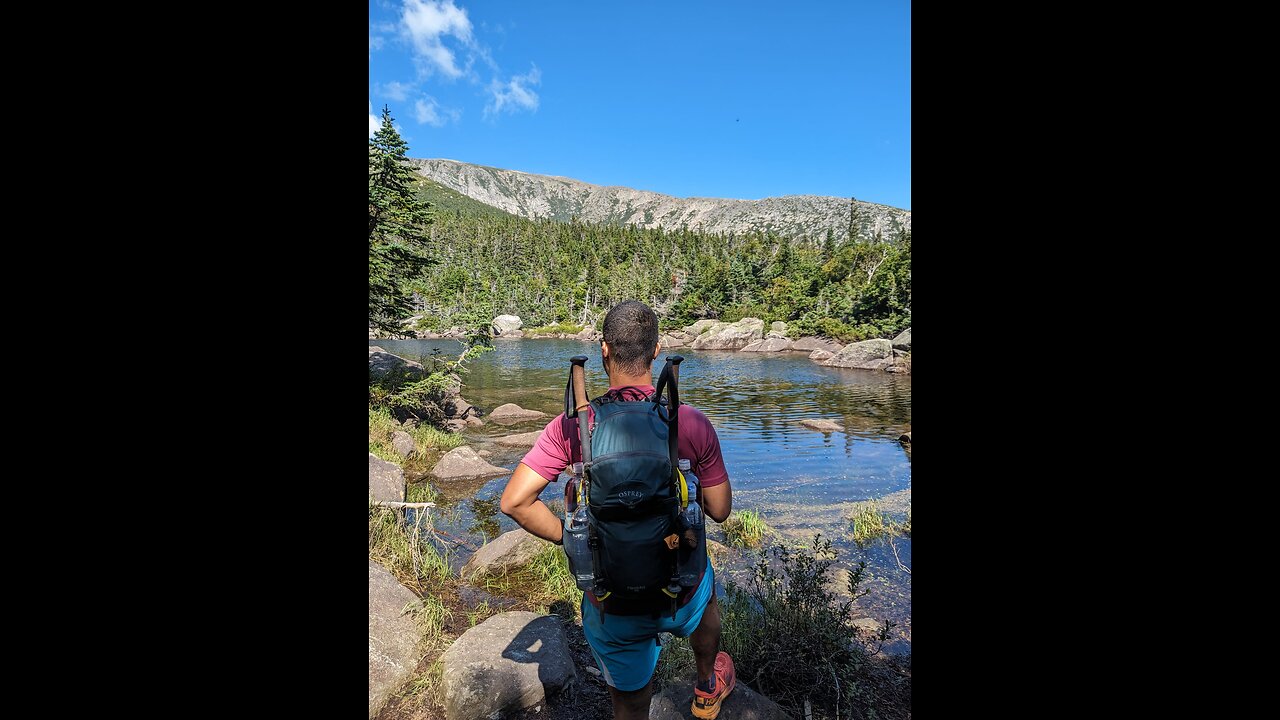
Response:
column 706, row 640
column 631, row 705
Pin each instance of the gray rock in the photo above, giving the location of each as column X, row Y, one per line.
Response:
column 867, row 355
column 484, row 453
column 701, row 326
column 774, row 334
column 810, row 342
column 393, row 637
column 825, row 426
column 511, row 661
column 506, row 323
column 474, row 421
column 521, row 440
column 375, row 348
column 768, row 345
column 508, row 551
column 382, row 362
column 457, row 407
column 818, row 354
column 402, row 443
column 463, row 463
column 386, row 480
column 778, row 327
column 588, row 333
column 743, row 703
column 731, row 336
column 511, row 411
column 671, row 341
column 903, row 341
column 455, row 425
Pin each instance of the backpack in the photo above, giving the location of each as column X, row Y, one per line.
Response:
column 635, row 493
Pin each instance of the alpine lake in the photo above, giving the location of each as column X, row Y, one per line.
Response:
column 801, row 481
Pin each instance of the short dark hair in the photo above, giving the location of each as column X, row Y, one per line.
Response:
column 631, row 329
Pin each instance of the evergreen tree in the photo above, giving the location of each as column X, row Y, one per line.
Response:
column 398, row 217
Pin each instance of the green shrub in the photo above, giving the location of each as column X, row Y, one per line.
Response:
column 746, row 529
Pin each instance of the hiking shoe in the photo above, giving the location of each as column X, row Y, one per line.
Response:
column 706, row 706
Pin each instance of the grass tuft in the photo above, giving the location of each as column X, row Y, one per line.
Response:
column 746, row 529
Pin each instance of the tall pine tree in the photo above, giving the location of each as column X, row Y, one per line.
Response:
column 398, row 218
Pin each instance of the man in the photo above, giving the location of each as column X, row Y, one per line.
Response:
column 625, row 646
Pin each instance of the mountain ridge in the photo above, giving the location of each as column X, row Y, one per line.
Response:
column 536, row 196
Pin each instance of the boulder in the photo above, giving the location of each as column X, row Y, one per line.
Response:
column 508, row 551
column 521, row 440
column 730, row 336
column 504, row 324
column 903, row 341
column 402, row 443
column 511, row 661
column 386, row 480
column 768, row 345
column 778, row 327
column 772, row 334
column 825, row 426
column 456, row 406
column 455, row 425
column 588, row 333
column 474, row 421
column 393, row 637
column 810, row 342
column 382, row 362
column 463, row 463
column 512, row 411
column 742, row 704
column 867, row 355
column 701, row 326
column 818, row 355
column 671, row 341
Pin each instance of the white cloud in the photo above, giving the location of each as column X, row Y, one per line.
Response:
column 429, row 112
column 374, row 122
column 375, row 43
column 396, row 90
column 514, row 94
column 426, row 23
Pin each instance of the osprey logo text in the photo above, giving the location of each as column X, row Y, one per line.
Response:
column 631, row 497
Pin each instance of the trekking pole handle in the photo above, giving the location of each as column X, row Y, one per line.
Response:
column 578, row 373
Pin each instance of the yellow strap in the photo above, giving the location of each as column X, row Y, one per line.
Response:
column 669, row 593
column 602, row 597
column 684, row 490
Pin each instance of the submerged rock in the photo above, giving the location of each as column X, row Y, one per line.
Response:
column 519, row 440
column 511, row 661
column 825, row 426
column 513, row 412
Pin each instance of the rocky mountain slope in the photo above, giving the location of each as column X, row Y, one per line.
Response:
column 557, row 198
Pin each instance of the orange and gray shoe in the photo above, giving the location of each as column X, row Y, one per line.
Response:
column 706, row 705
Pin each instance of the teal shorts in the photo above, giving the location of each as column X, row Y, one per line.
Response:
column 626, row 646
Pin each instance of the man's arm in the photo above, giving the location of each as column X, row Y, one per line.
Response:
column 520, row 502
column 717, row 501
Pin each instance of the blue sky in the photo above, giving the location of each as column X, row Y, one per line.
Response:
column 692, row 99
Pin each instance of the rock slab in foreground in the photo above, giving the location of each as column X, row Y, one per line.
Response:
column 508, row 551
column 823, row 425
column 393, row 637
column 520, row 440
column 386, row 480
column 511, row 661
column 512, row 411
column 464, row 463
column 865, row 355
column 742, row 704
